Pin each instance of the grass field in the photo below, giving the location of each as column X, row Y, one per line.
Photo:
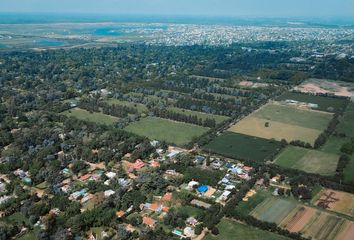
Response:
column 245, row 208
column 190, row 211
column 165, row 130
column 308, row 160
column 273, row 210
column 346, row 124
column 99, row 118
column 333, row 144
column 138, row 106
column 327, row 104
column 218, row 118
column 240, row 146
column 17, row 218
column 232, row 230
column 284, row 122
column 348, row 172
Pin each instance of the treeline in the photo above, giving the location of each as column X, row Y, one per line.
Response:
column 94, row 105
column 163, row 113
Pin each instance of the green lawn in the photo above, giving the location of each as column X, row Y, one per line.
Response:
column 307, row 160
column 346, row 124
column 327, row 104
column 333, row 144
column 190, row 211
column 99, row 118
column 218, row 118
column 244, row 147
column 294, row 116
column 349, row 172
column 166, row 130
column 245, row 208
column 17, row 218
column 232, row 230
column 138, row 106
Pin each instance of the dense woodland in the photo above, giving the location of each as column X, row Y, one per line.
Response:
column 36, row 88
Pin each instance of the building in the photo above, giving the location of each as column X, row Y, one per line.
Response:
column 149, row 221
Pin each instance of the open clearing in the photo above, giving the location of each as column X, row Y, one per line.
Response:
column 240, row 146
column 166, row 130
column 328, row 104
column 334, row 144
column 273, row 210
column 232, row 230
column 138, row 106
column 95, row 117
column 336, row 201
column 346, row 124
column 218, row 118
column 308, row 160
column 325, row 86
column 276, row 121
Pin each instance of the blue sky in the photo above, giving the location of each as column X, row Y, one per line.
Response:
column 262, row 8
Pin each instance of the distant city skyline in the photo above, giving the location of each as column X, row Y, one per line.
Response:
column 232, row 8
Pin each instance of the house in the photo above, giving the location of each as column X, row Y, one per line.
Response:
column 2, row 186
column 217, row 164
column 120, row 214
column 149, row 221
column 189, row 232
column 138, row 164
column 154, row 143
column 167, row 197
column 192, row 184
column 111, row 175
column 199, row 159
column 4, row 199
column 224, row 196
column 191, row 221
column 85, row 177
column 154, row 164
column 108, row 193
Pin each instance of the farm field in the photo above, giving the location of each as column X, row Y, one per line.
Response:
column 308, row 160
column 218, row 118
column 336, row 201
column 91, row 117
column 273, row 210
column 327, row 104
column 317, row 224
column 333, row 144
column 233, row 230
column 240, row 146
column 138, row 106
column 166, row 130
column 346, row 124
column 309, row 221
column 284, row 122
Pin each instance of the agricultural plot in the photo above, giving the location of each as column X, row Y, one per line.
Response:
column 308, row 160
column 218, row 118
column 348, row 172
column 166, row 130
column 335, row 201
column 346, row 124
column 273, row 210
column 275, row 121
column 317, row 224
column 237, row 231
column 138, row 106
column 95, row 117
column 245, row 208
column 328, row 104
column 334, row 144
column 244, row 147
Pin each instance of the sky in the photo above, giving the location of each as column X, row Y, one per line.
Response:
column 234, row 8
